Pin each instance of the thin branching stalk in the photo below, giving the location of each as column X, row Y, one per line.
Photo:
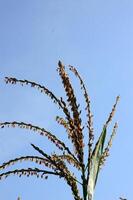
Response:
column 71, row 98
column 36, row 159
column 105, row 153
column 29, row 172
column 61, row 145
column 62, row 168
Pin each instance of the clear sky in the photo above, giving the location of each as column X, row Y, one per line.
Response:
column 96, row 37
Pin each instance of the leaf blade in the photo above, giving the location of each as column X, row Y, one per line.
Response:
column 95, row 163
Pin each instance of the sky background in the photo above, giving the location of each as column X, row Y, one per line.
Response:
column 96, row 37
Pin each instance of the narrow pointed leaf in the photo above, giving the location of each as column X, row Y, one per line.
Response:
column 95, row 162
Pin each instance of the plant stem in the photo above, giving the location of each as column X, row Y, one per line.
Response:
column 84, row 186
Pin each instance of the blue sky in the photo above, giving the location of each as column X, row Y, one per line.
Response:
column 96, row 37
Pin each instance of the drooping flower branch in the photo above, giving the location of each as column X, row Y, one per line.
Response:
column 36, row 159
column 61, row 145
column 28, row 172
column 41, row 88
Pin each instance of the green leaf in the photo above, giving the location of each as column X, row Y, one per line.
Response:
column 94, row 163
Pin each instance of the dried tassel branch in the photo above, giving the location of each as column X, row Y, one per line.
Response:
column 42, row 174
column 36, row 159
column 88, row 109
column 56, row 161
column 29, row 172
column 112, row 112
column 78, row 136
column 107, row 149
column 41, row 131
column 41, row 88
column 71, row 180
column 61, row 145
column 69, row 160
column 71, row 125
column 65, row 124
column 65, row 110
column 62, row 169
column 59, row 165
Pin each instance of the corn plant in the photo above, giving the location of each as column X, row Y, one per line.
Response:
column 58, row 164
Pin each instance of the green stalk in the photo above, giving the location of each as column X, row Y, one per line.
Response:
column 84, row 186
